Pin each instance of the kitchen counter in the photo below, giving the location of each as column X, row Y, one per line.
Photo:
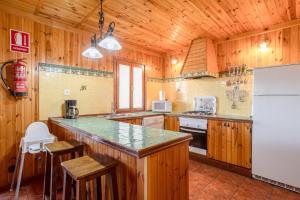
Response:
column 136, row 140
column 179, row 114
column 149, row 159
column 131, row 115
column 217, row 117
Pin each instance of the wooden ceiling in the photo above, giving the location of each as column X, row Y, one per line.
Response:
column 165, row 25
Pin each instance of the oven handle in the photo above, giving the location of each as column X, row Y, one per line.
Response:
column 192, row 131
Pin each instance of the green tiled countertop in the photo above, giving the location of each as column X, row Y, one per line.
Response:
column 131, row 115
column 179, row 114
column 217, row 116
column 134, row 139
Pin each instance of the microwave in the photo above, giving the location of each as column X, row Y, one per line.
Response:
column 161, row 106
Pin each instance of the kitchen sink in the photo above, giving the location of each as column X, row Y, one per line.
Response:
column 117, row 115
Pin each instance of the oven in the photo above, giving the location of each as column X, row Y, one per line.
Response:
column 198, row 128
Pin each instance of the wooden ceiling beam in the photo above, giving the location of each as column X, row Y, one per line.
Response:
column 38, row 6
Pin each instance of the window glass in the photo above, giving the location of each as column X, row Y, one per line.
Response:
column 124, row 86
column 137, row 87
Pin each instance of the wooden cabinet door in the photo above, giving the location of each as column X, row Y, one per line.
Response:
column 136, row 121
column 217, row 135
column 171, row 123
column 241, row 143
column 229, row 142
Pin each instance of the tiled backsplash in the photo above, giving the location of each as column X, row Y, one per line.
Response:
column 182, row 92
column 98, row 95
column 73, row 70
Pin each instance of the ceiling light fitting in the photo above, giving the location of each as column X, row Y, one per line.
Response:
column 264, row 45
column 174, row 61
column 92, row 51
column 106, row 41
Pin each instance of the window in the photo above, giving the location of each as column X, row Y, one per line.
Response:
column 130, row 84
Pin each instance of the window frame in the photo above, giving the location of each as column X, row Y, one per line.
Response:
column 131, row 64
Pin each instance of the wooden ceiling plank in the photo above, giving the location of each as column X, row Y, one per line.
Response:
column 178, row 18
column 291, row 9
column 38, row 6
column 96, row 9
column 297, row 9
column 206, row 21
column 214, row 20
column 187, row 18
column 272, row 28
column 225, row 15
column 235, row 11
column 140, row 38
column 163, row 25
column 191, row 14
column 132, row 25
column 158, row 21
column 273, row 11
column 50, row 22
column 281, row 8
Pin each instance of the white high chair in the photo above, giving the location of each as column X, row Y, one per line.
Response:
column 37, row 134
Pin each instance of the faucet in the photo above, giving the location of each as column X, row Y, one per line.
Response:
column 113, row 111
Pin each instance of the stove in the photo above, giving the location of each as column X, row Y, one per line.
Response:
column 198, row 113
column 204, row 106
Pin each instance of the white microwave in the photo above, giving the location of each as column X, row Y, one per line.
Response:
column 161, row 106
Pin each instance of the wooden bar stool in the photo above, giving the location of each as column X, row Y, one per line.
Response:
column 54, row 151
column 89, row 168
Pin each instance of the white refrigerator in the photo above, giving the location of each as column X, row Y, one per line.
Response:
column 276, row 125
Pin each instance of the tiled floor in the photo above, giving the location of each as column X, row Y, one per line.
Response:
column 206, row 182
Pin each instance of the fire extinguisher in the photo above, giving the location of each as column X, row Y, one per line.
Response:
column 15, row 80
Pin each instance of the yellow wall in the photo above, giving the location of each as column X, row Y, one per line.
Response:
column 152, row 92
column 97, row 98
column 99, row 94
column 182, row 93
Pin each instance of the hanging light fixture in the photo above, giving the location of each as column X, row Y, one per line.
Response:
column 108, row 41
column 92, row 51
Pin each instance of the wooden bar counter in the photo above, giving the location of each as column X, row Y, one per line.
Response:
column 154, row 163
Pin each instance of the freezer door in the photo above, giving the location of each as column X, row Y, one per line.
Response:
column 282, row 80
column 276, row 138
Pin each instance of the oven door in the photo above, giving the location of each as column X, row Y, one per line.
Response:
column 199, row 140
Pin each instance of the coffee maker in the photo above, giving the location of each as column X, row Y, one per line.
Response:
column 71, row 111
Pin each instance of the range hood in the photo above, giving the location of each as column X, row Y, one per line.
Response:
column 201, row 60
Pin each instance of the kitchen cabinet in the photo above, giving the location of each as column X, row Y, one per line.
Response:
column 171, row 123
column 136, row 121
column 230, row 142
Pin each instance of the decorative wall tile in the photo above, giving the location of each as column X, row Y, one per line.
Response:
column 73, row 70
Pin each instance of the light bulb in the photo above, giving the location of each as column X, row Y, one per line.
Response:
column 174, row 61
column 263, row 47
column 92, row 52
column 110, row 43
